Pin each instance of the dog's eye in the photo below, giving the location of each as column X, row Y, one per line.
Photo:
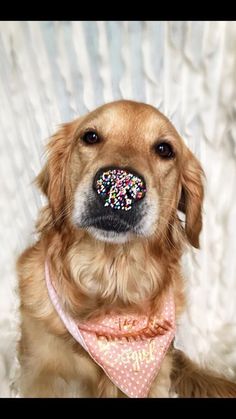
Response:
column 90, row 137
column 164, row 150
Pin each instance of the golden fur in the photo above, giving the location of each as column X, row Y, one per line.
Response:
column 94, row 276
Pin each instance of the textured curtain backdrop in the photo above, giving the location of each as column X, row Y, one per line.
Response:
column 51, row 72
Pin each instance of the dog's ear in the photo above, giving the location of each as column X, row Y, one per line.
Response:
column 42, row 180
column 191, row 199
column 52, row 180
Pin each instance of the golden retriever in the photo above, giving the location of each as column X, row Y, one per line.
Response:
column 105, row 259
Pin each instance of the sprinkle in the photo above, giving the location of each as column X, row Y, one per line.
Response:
column 120, row 189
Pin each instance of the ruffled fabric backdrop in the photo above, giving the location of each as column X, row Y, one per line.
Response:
column 51, row 72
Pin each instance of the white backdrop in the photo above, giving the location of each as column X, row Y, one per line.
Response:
column 51, row 72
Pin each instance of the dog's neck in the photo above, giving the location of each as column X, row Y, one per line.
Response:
column 97, row 277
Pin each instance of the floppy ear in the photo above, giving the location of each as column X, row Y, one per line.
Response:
column 42, row 180
column 191, row 199
column 52, row 180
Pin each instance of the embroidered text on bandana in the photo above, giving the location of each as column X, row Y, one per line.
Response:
column 130, row 349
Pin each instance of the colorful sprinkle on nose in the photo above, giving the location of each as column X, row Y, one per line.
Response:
column 120, row 189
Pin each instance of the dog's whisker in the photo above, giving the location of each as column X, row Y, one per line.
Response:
column 62, row 214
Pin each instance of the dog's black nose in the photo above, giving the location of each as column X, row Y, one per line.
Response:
column 119, row 188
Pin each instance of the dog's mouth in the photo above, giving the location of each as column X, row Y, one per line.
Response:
column 108, row 223
column 113, row 225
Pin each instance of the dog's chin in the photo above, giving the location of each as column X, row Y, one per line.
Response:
column 109, row 236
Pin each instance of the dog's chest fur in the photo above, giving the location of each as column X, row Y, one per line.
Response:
column 45, row 341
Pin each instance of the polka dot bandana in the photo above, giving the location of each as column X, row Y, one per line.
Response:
column 129, row 348
column 120, row 189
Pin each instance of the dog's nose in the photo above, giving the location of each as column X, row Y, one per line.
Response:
column 119, row 188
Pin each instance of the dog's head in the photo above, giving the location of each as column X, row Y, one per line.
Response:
column 121, row 172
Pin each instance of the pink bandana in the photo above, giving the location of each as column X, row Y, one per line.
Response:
column 130, row 349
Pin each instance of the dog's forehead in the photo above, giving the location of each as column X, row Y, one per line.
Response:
column 125, row 115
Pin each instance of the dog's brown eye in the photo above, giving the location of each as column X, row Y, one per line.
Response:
column 90, row 137
column 164, row 150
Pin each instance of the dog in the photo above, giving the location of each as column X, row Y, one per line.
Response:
column 105, row 271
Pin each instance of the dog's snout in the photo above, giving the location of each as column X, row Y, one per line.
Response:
column 119, row 188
